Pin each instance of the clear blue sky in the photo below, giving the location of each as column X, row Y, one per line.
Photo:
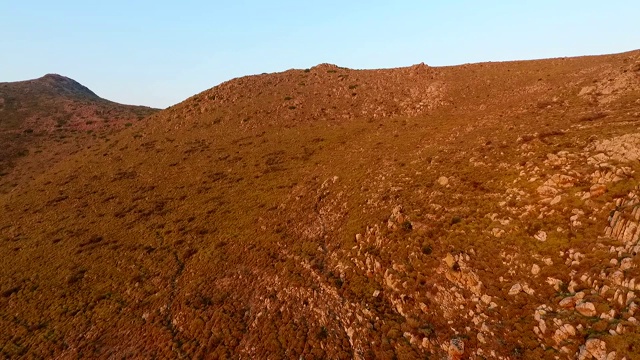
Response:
column 158, row 53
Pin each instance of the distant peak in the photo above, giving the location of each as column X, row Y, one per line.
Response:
column 326, row 66
column 54, row 77
column 422, row 65
column 65, row 85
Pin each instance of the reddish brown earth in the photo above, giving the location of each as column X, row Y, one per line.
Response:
column 478, row 211
column 44, row 120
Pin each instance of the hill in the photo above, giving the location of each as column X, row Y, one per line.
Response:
column 477, row 211
column 50, row 117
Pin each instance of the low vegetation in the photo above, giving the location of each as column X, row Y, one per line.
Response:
column 460, row 212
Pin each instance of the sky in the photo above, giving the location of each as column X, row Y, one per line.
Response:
column 158, row 53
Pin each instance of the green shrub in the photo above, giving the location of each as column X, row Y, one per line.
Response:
column 427, row 249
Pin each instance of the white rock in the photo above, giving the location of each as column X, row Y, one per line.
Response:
column 543, row 326
column 515, row 289
column 568, row 302
column 527, row 289
column 597, row 348
column 547, row 191
column 626, row 263
column 481, row 338
column 423, row 307
column 535, row 269
column 541, row 236
column 617, row 277
column 443, row 181
column 569, row 329
column 586, row 309
column 633, row 307
column 497, row 232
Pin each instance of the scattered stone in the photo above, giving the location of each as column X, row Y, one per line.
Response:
column 556, row 200
column 596, row 348
column 633, row 307
column 569, row 329
column 586, row 309
column 535, row 269
column 515, row 289
column 396, row 218
column 542, row 326
column 541, row 236
column 571, row 301
column 564, row 332
column 597, row 190
column 527, row 289
column 547, row 191
column 423, row 307
column 449, row 260
column 568, row 302
column 497, row 232
column 617, row 277
column 626, row 263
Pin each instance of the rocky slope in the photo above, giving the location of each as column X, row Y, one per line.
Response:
column 47, row 118
column 478, row 211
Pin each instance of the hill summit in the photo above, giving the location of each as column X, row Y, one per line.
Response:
column 43, row 113
column 64, row 86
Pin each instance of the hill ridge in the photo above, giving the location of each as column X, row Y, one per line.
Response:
column 500, row 222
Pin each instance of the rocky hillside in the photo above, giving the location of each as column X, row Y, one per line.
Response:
column 479, row 211
column 52, row 114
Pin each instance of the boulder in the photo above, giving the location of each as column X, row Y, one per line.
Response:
column 596, row 348
column 586, row 309
column 597, row 190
